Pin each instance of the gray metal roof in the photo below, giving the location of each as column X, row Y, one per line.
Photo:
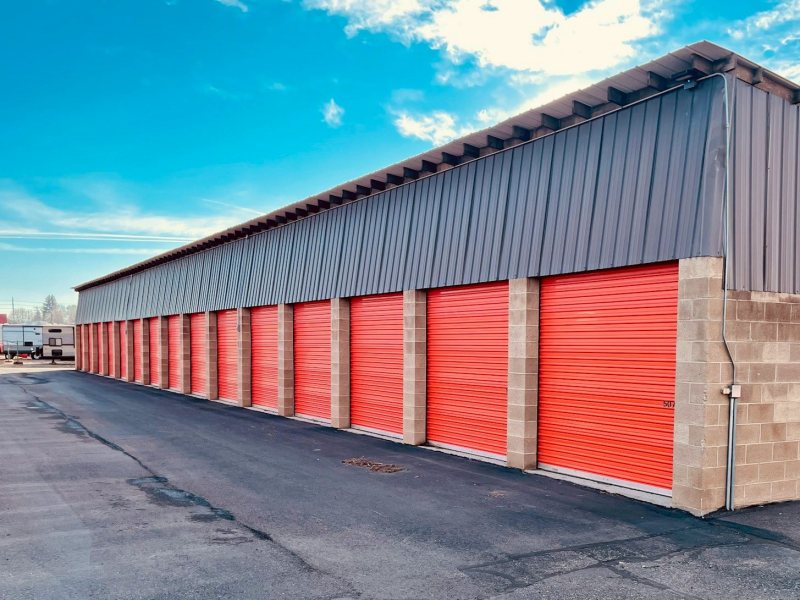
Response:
column 638, row 185
column 628, row 86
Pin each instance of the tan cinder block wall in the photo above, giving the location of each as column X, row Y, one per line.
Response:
column 286, row 360
column 701, row 409
column 146, row 366
column 186, row 355
column 245, row 357
column 523, row 372
column 103, row 343
column 340, row 363
column 211, row 347
column 116, row 367
column 764, row 331
column 129, row 358
column 415, row 365
column 163, row 346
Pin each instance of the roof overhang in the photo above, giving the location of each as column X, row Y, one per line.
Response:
column 669, row 71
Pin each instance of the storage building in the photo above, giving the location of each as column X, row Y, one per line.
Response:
column 596, row 289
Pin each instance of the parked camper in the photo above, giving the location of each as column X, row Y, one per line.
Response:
column 58, row 341
column 21, row 339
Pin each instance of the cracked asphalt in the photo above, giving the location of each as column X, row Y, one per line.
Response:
column 111, row 490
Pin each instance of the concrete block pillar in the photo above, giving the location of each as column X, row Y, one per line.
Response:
column 340, row 363
column 129, row 346
column 212, row 358
column 245, row 359
column 523, row 372
column 163, row 352
column 415, row 366
column 146, row 366
column 103, row 346
column 78, row 348
column 286, row 360
column 186, row 355
column 700, row 434
column 116, row 365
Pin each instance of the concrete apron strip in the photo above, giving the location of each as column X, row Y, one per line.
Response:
column 621, row 489
column 466, row 453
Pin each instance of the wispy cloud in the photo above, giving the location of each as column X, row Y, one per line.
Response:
column 28, row 234
column 118, row 218
column 519, row 35
column 332, row 113
column 772, row 37
column 235, row 4
column 45, row 250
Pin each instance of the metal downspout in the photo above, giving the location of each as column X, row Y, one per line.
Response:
column 733, row 390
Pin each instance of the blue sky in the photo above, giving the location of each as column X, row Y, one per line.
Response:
column 129, row 127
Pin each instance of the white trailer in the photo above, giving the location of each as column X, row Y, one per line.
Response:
column 58, row 341
column 21, row 339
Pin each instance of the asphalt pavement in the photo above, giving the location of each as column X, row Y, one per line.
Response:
column 113, row 490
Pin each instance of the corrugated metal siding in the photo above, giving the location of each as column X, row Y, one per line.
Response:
column 639, row 185
column 607, row 373
column 765, row 219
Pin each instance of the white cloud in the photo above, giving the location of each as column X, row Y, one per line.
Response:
column 235, row 4
column 520, row 35
column 440, row 127
column 771, row 37
column 332, row 113
column 437, row 128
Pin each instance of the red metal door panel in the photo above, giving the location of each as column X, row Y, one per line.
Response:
column 155, row 351
column 137, row 350
column 111, row 351
column 312, row 359
column 174, row 351
column 199, row 354
column 376, row 362
column 95, row 347
column 468, row 367
column 123, row 349
column 85, row 365
column 264, row 357
column 607, row 373
column 228, row 354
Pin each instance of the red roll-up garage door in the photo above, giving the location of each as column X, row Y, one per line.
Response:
column 312, row 359
column 137, row 350
column 199, row 354
column 174, row 351
column 376, row 362
column 155, row 351
column 228, row 354
column 85, row 365
column 468, row 367
column 95, row 347
column 123, row 349
column 111, row 351
column 264, row 357
column 607, row 374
